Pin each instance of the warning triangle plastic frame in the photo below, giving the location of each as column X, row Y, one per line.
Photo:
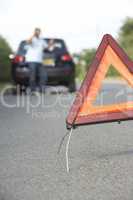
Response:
column 108, row 47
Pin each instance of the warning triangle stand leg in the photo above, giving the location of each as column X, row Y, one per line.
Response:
column 67, row 150
column 61, row 142
column 69, row 134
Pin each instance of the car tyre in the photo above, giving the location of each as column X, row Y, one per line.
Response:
column 72, row 86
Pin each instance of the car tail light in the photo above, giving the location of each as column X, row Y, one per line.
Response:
column 18, row 59
column 66, row 57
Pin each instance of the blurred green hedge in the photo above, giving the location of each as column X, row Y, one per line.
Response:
column 125, row 39
column 5, row 67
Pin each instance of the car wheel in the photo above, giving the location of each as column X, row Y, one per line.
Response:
column 19, row 90
column 72, row 86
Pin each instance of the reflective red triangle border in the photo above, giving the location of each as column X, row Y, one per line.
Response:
column 72, row 119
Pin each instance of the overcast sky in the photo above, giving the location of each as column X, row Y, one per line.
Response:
column 81, row 23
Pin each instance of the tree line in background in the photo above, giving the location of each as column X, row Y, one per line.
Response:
column 5, row 50
column 125, row 39
column 82, row 59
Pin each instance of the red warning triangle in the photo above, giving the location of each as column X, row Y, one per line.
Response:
column 82, row 111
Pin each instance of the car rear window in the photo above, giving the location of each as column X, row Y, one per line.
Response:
column 22, row 49
column 58, row 43
column 59, row 46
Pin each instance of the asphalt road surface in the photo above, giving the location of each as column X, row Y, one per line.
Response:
column 101, row 156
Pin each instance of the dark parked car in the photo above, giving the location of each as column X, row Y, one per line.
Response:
column 58, row 64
